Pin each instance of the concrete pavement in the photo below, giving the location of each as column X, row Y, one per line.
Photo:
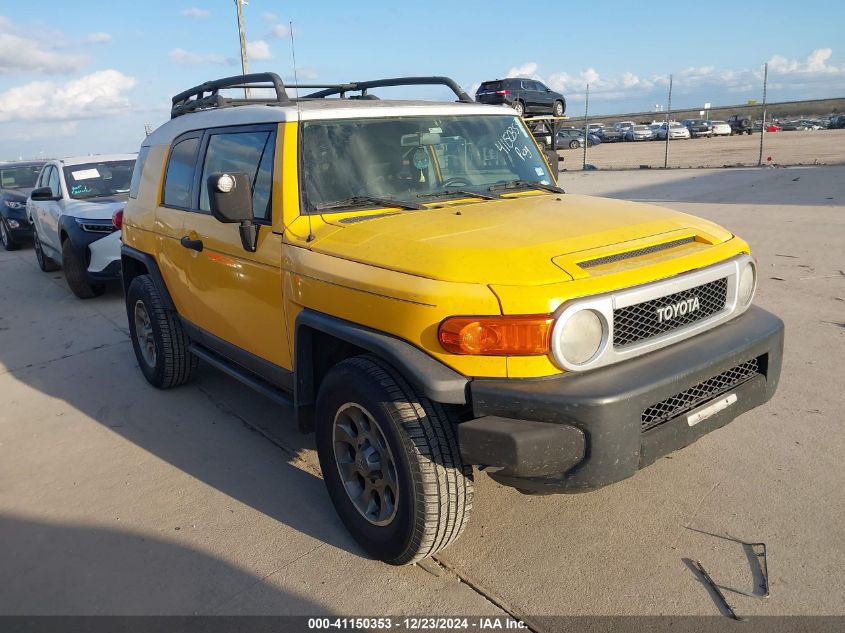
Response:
column 117, row 498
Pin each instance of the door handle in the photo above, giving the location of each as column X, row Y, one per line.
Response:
column 194, row 245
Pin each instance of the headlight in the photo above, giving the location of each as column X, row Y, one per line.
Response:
column 578, row 337
column 14, row 205
column 13, row 224
column 747, row 284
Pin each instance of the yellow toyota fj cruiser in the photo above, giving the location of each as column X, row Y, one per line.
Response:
column 410, row 279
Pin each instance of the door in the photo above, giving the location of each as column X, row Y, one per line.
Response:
column 544, row 96
column 236, row 295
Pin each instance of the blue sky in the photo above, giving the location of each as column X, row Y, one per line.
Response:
column 84, row 77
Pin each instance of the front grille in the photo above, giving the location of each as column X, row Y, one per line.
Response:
column 641, row 321
column 699, row 394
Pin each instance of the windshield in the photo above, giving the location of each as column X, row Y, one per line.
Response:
column 409, row 159
column 642, row 128
column 99, row 179
column 19, row 177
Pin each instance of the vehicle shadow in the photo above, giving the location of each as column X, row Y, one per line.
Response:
column 802, row 186
column 61, row 569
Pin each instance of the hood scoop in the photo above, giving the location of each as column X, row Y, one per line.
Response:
column 648, row 250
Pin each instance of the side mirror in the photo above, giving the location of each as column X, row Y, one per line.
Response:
column 42, row 194
column 230, row 201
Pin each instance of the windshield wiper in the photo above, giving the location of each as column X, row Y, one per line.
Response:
column 358, row 201
column 518, row 184
column 460, row 193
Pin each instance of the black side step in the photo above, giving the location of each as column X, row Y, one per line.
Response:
column 243, row 375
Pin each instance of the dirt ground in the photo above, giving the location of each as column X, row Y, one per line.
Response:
column 820, row 147
column 116, row 498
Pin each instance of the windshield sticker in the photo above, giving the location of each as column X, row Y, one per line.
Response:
column 80, row 190
column 435, row 130
column 507, row 142
column 85, row 174
column 539, row 171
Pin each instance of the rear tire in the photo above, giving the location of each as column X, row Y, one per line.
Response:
column 391, row 462
column 46, row 264
column 9, row 242
column 160, row 343
column 76, row 274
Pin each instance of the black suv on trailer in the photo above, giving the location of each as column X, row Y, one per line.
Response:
column 16, row 182
column 526, row 96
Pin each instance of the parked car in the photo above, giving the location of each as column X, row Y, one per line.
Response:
column 740, row 124
column 639, row 133
column 72, row 211
column 837, row 122
column 572, row 138
column 794, row 126
column 720, row 128
column 623, row 126
column 697, row 127
column 675, row 131
column 277, row 245
column 611, row 135
column 16, row 181
column 526, row 96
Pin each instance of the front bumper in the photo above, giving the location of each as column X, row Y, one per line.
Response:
column 19, row 227
column 573, row 433
column 100, row 252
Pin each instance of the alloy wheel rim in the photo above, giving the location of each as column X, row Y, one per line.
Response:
column 144, row 334
column 365, row 464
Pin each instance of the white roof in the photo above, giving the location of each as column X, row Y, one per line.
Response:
column 95, row 158
column 317, row 109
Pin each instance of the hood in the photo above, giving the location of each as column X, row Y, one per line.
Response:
column 19, row 195
column 94, row 209
column 526, row 240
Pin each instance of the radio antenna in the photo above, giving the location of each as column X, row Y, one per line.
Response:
column 310, row 237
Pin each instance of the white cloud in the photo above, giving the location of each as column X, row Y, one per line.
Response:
column 32, row 55
column 280, row 31
column 816, row 62
column 100, row 94
column 181, row 56
column 258, row 50
column 98, row 38
column 270, row 17
column 528, row 69
column 194, row 12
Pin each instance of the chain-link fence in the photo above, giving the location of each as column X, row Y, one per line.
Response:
column 785, row 133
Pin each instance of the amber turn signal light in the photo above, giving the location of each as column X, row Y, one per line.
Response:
column 522, row 335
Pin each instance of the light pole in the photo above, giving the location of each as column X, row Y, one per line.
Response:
column 239, row 4
column 763, row 122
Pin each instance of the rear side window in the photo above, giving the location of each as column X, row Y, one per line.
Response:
column 250, row 153
column 180, row 173
column 135, row 183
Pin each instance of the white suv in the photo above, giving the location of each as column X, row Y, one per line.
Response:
column 72, row 211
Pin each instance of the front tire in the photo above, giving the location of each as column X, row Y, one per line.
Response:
column 76, row 274
column 558, row 108
column 391, row 462
column 519, row 108
column 9, row 242
column 45, row 263
column 160, row 343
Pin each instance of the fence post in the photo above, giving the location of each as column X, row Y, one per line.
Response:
column 668, row 117
column 586, row 127
column 763, row 122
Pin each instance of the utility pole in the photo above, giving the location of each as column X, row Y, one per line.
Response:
column 244, row 61
column 763, row 122
column 668, row 124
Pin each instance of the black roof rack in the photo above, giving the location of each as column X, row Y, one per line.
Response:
column 207, row 95
column 363, row 86
column 196, row 98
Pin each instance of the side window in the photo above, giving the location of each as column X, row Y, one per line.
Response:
column 250, row 153
column 44, row 178
column 180, row 173
column 53, row 183
column 138, row 171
